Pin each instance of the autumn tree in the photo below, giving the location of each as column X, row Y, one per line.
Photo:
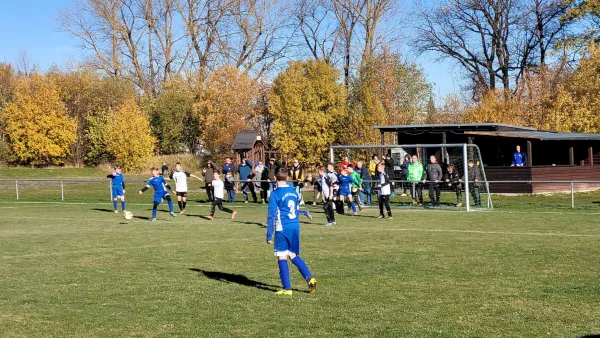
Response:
column 226, row 105
column 37, row 125
column 308, row 108
column 128, row 137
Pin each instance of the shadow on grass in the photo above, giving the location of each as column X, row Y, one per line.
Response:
column 103, row 210
column 228, row 278
column 251, row 223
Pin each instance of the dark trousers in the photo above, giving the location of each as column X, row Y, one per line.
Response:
column 250, row 186
column 264, row 191
column 384, row 200
column 416, row 188
column 218, row 203
column 210, row 192
column 476, row 196
column 458, row 190
column 434, row 192
column 329, row 211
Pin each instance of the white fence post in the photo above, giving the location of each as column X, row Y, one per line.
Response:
column 466, row 173
column 17, row 188
column 572, row 195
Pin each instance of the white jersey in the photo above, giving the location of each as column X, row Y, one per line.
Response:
column 219, row 187
column 329, row 179
column 180, row 178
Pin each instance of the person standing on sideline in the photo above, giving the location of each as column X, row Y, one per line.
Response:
column 473, row 176
column 229, row 185
column 228, row 166
column 244, row 172
column 272, row 169
column 384, row 191
column 209, row 173
column 452, row 179
column 258, row 177
column 296, row 174
column 519, row 158
column 404, row 169
column 164, row 169
column 434, row 176
column 284, row 222
column 415, row 175
column 366, row 184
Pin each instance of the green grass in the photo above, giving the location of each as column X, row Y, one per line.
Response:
column 78, row 270
column 23, row 173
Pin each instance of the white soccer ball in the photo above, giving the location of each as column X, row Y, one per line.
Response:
column 128, row 215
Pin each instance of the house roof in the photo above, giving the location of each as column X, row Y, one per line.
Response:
column 454, row 127
column 539, row 135
column 244, row 140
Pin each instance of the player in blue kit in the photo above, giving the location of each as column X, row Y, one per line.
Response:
column 283, row 221
column 118, row 188
column 160, row 192
column 346, row 189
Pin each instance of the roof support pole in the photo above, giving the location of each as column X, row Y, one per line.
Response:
column 382, row 143
column 571, row 156
column 591, row 156
column 444, row 148
column 529, row 154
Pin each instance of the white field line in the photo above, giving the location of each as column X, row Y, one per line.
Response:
column 123, row 249
column 484, row 232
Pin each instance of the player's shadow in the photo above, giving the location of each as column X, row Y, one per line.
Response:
column 226, row 277
column 251, row 223
column 145, row 218
column 103, row 209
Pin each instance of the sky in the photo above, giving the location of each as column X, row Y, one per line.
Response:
column 32, row 26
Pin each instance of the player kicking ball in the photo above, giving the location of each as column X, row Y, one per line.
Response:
column 283, row 221
column 160, row 192
column 219, row 188
column 118, row 188
column 181, row 188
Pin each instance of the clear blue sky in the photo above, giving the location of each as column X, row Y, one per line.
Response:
column 32, row 25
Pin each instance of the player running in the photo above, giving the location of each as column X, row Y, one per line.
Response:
column 118, row 188
column 181, row 188
column 283, row 221
column 219, row 187
column 160, row 192
column 345, row 189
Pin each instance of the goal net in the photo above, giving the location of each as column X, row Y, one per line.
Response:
column 457, row 182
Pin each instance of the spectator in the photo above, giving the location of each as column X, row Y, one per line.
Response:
column 373, row 167
column 434, row 176
column 271, row 171
column 519, row 158
column 259, row 171
column 228, row 166
column 164, row 169
column 230, row 186
column 296, row 174
column 246, row 174
column 473, row 177
column 366, row 184
column 344, row 164
column 317, row 187
column 452, row 178
column 404, row 169
column 415, row 175
column 209, row 172
column 389, row 170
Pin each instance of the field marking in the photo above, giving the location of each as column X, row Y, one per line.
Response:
column 485, row 232
column 124, row 249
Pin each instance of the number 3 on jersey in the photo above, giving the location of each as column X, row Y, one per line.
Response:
column 292, row 207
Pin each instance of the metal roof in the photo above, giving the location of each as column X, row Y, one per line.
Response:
column 451, row 126
column 539, row 135
column 244, row 140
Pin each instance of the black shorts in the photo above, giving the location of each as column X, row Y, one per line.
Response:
column 182, row 194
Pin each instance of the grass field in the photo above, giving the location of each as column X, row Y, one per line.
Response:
column 78, row 270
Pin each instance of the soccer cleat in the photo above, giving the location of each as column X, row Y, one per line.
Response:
column 245, row 202
column 334, row 223
column 210, row 218
column 459, row 204
column 116, row 211
column 153, row 220
column 309, row 216
column 380, row 216
column 233, row 214
column 415, row 204
column 312, row 285
column 328, row 224
column 390, row 217
column 355, row 213
column 182, row 211
column 173, row 214
column 263, row 201
column 284, row 292
column 314, row 203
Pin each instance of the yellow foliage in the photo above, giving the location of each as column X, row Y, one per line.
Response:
column 128, row 137
column 225, row 107
column 308, row 107
column 37, row 124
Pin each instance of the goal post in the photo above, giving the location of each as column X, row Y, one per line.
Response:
column 467, row 187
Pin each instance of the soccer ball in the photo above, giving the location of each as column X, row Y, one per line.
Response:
column 128, row 215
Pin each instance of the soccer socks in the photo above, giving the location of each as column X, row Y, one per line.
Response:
column 304, row 271
column 284, row 274
column 353, row 205
column 184, row 203
column 153, row 213
column 115, row 205
column 302, row 212
column 123, row 205
column 170, row 205
column 180, row 204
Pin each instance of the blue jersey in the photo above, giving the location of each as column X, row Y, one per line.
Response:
column 283, row 210
column 117, row 180
column 519, row 159
column 159, row 185
column 345, row 182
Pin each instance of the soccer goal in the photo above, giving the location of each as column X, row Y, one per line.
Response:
column 462, row 185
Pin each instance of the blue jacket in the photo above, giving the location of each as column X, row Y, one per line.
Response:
column 519, row 159
column 228, row 167
column 364, row 173
column 245, row 169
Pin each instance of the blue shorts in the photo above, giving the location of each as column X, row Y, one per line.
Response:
column 158, row 197
column 117, row 192
column 345, row 193
column 287, row 241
